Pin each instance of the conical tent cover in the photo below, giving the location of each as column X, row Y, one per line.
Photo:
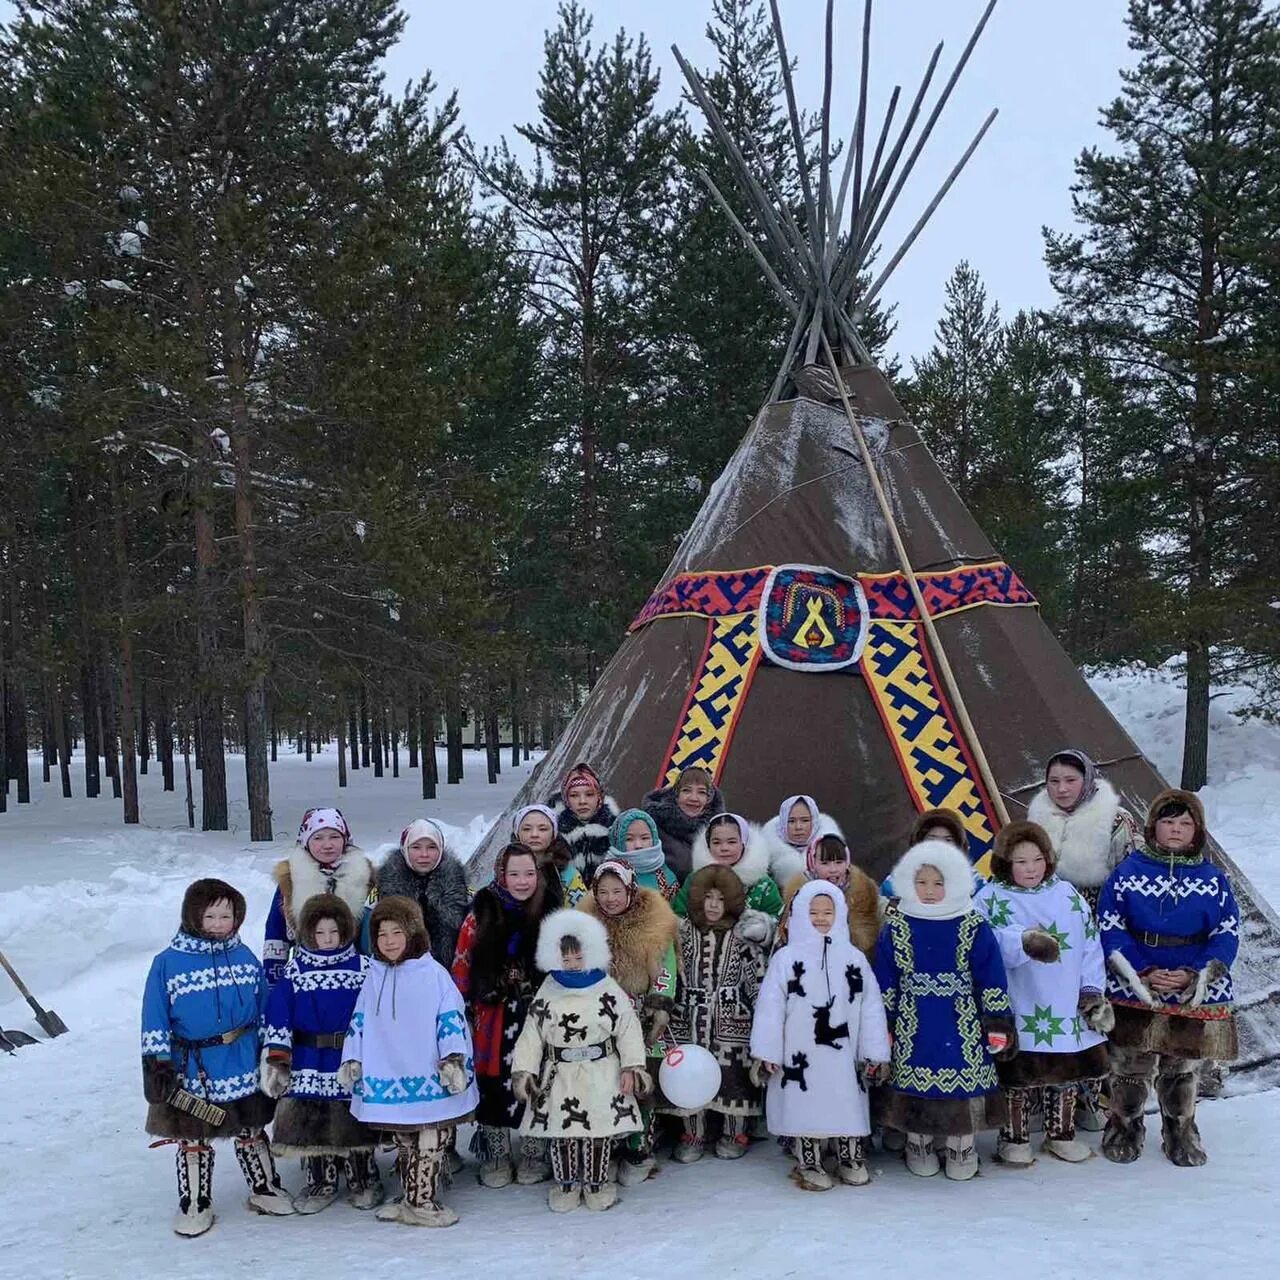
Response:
column 782, row 651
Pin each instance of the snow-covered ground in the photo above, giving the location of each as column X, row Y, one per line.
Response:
column 85, row 903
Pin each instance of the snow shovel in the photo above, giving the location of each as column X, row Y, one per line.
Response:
column 12, row 1041
column 50, row 1023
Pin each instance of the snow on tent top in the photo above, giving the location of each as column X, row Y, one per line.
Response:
column 835, row 623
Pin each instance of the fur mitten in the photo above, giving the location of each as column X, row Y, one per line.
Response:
column 755, row 926
column 655, row 1017
column 1194, row 993
column 524, row 1087
column 643, row 1081
column 875, row 1072
column 349, row 1074
column 759, row 1073
column 453, row 1073
column 159, row 1079
column 1130, row 975
column 1040, row 945
column 273, row 1074
column 1002, row 1027
column 1097, row 1012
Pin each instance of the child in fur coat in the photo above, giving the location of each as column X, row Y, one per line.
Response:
column 408, row 1061
column 325, row 861
column 1170, row 932
column 828, row 858
column 1050, row 946
column 201, row 1015
column 788, row 835
column 731, row 841
column 720, row 973
column 634, row 839
column 641, row 928
column 819, row 1029
column 947, row 997
column 583, row 815
column 579, row 1062
column 534, row 826
column 307, row 1016
column 681, row 811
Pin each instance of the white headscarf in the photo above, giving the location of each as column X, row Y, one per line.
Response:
column 784, row 813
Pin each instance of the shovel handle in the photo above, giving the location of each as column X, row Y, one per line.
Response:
column 18, row 982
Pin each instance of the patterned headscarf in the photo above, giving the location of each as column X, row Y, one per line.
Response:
column 613, row 867
column 784, row 814
column 1077, row 760
column 315, row 820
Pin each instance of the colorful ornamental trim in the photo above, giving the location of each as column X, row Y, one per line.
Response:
column 812, row 619
column 717, row 593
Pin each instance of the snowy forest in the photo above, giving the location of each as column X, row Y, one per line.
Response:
column 321, row 426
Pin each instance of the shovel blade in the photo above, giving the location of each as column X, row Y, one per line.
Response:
column 51, row 1024
column 12, row 1040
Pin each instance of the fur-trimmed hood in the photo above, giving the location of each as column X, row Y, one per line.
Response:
column 638, row 938
column 201, row 895
column 752, row 867
column 1081, row 839
column 957, row 881
column 408, row 915
column 801, row 933
column 300, row 877
column 325, row 906
column 731, row 889
column 863, row 904
column 1195, row 808
column 592, row 936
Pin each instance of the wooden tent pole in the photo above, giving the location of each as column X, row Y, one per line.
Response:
column 904, row 561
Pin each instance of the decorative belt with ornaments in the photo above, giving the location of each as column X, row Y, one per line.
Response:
column 581, row 1052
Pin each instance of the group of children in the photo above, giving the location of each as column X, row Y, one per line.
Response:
column 395, row 1005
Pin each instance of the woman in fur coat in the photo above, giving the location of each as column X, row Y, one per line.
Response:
column 947, row 998
column 719, row 978
column 1170, row 932
column 788, row 836
column 325, row 861
column 1049, row 943
column 534, row 826
column 682, row 811
column 828, row 858
column 819, row 1032
column 642, row 932
column 579, row 1062
column 201, row 1013
column 308, row 1013
column 407, row 1059
column 423, row 869
column 634, row 839
column 496, row 970
column 583, row 815
column 731, row 841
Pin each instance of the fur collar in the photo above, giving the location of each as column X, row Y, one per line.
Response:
column 638, row 939
column 396, row 876
column 1082, row 838
column 957, row 881
column 662, row 808
column 786, row 861
column 862, row 902
column 565, row 923
column 751, row 868
column 575, row 830
column 301, row 877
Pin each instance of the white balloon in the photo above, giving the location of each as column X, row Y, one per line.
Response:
column 689, row 1076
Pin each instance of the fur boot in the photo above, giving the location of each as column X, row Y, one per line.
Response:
column 851, row 1162
column 893, row 1140
column 364, row 1183
column 321, row 1189
column 809, row 1173
column 598, row 1193
column 195, row 1189
column 733, row 1142
column 1060, row 1126
column 566, row 1173
column 962, row 1158
column 266, row 1195
column 1013, row 1146
column 532, row 1168
column 1128, row 1087
column 423, row 1160
column 1090, row 1117
column 692, row 1141
column 922, row 1159
column 1176, row 1087
column 495, row 1168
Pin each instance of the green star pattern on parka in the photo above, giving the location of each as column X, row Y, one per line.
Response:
column 1042, row 1026
column 1091, row 928
column 999, row 911
column 1061, row 938
column 1077, row 904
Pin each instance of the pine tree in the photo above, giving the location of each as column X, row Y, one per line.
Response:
column 1168, row 276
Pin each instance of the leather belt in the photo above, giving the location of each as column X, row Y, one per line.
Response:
column 1171, row 939
column 311, row 1040
column 580, row 1052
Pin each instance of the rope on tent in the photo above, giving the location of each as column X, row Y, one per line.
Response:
column 904, row 562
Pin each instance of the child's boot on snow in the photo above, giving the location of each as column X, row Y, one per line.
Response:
column 692, row 1141
column 364, row 1183
column 851, row 1162
column 1060, row 1126
column 922, row 1159
column 423, row 1159
column 962, row 1158
column 322, row 1184
column 532, row 1168
column 1090, row 1117
column 195, row 1189
column 566, row 1172
column 266, row 1195
column 598, row 1193
column 733, row 1142
column 1176, row 1089
column 495, row 1164
column 1130, row 1083
column 809, row 1173
column 1013, row 1146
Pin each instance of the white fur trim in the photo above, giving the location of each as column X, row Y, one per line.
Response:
column 1129, row 974
column 751, row 868
column 957, row 880
column 578, row 924
column 1080, row 839
column 352, row 880
column 800, row 927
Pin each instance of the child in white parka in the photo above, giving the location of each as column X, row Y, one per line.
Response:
column 819, row 1031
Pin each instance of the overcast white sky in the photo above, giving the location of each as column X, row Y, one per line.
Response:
column 1049, row 65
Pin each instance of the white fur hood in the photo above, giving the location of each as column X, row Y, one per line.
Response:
column 568, row 923
column 957, row 880
column 751, row 868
